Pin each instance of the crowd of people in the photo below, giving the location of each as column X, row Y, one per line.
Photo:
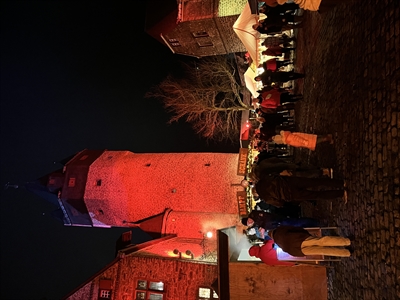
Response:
column 276, row 183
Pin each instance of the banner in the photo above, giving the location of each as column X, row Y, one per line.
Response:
column 242, row 203
column 242, row 163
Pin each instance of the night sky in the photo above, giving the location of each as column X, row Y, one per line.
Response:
column 73, row 76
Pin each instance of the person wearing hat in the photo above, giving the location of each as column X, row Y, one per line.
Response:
column 267, row 254
column 298, row 242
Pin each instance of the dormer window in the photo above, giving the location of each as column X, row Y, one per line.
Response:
column 174, row 42
column 200, row 34
column 205, row 44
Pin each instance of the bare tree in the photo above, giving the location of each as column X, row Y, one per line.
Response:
column 208, row 97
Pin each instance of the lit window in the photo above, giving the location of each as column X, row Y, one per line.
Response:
column 206, row 293
column 142, row 285
column 153, row 296
column 140, row 296
column 176, row 44
column 156, row 286
column 105, row 294
column 149, row 290
column 172, row 40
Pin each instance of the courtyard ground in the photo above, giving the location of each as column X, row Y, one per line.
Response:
column 351, row 58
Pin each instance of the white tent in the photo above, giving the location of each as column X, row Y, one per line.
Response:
column 251, row 84
column 244, row 30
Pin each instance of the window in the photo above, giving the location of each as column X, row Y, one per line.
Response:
column 200, row 34
column 140, row 296
column 127, row 237
column 156, row 286
column 153, row 296
column 205, row 44
column 206, row 293
column 142, row 285
column 105, row 290
column 149, row 290
column 174, row 42
column 98, row 182
column 105, row 294
column 71, row 182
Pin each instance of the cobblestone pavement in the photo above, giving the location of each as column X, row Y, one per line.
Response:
column 351, row 58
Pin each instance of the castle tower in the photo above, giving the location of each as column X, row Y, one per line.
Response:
column 186, row 194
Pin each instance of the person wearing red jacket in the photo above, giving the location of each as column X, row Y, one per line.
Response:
column 273, row 98
column 273, row 64
column 267, row 254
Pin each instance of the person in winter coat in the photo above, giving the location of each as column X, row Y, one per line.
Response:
column 273, row 64
column 274, row 98
column 301, row 139
column 298, row 242
column 269, row 77
column 277, row 190
column 277, row 51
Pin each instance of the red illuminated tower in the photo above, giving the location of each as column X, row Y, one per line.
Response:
column 186, row 194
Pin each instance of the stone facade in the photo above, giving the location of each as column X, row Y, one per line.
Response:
column 181, row 278
column 203, row 28
column 124, row 187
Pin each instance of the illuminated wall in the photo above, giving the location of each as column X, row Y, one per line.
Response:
column 124, row 187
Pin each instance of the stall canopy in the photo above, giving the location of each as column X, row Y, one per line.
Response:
column 244, row 30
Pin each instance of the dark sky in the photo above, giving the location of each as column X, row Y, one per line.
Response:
column 73, row 76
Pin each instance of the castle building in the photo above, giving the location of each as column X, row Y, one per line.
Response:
column 191, row 204
column 166, row 268
column 196, row 28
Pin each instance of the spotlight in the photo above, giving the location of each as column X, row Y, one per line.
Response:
column 190, row 254
column 209, row 234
